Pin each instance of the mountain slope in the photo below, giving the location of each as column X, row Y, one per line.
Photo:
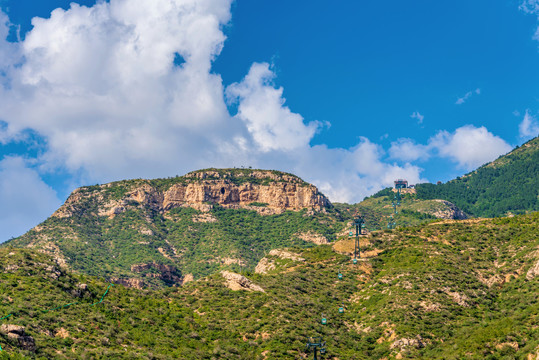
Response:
column 446, row 290
column 378, row 211
column 168, row 231
column 509, row 184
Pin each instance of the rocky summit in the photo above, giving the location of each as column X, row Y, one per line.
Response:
column 267, row 192
column 164, row 232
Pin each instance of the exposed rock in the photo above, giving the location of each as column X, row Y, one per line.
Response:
column 404, row 343
column 279, row 196
column 283, row 254
column 11, row 268
column 495, row 279
column 279, row 191
column 148, row 232
column 80, row 290
column 460, row 299
column 6, row 329
column 168, row 273
column 533, row 272
column 451, row 212
column 16, row 332
column 188, row 278
column 513, row 345
column 430, row 306
column 62, row 333
column 310, row 236
column 230, row 261
column 164, row 253
column 53, row 272
column 129, row 282
column 239, row 282
column 204, row 218
column 264, row 266
column 405, row 190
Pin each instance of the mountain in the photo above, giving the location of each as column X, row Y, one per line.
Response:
column 444, row 290
column 508, row 185
column 166, row 232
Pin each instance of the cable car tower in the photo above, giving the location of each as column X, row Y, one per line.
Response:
column 315, row 343
column 359, row 224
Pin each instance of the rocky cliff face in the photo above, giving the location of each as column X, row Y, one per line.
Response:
column 450, row 211
column 267, row 192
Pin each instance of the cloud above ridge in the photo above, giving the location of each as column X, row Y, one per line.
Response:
column 529, row 127
column 100, row 85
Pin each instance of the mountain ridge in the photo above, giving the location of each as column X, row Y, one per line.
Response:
column 508, row 185
column 163, row 232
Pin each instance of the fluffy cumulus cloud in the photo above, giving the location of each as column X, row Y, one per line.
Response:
column 101, row 86
column 407, row 150
column 261, row 107
column 529, row 127
column 25, row 198
column 469, row 146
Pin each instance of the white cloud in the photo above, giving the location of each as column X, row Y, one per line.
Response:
column 463, row 99
column 26, row 199
column 348, row 175
column 469, row 146
column 529, row 127
column 418, row 116
column 261, row 107
column 99, row 85
column 530, row 6
column 405, row 149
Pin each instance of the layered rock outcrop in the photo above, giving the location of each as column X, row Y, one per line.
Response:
column 239, row 282
column 17, row 333
column 448, row 210
column 267, row 192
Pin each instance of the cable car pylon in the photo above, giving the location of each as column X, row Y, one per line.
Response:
column 359, row 224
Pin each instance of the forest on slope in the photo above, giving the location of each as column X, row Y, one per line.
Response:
column 508, row 185
column 443, row 290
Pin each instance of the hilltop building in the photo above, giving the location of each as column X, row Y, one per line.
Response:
column 401, row 184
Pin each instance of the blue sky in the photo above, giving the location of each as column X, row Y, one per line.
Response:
column 346, row 94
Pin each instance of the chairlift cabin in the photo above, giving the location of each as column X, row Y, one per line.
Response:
column 354, row 261
column 339, row 275
column 324, row 320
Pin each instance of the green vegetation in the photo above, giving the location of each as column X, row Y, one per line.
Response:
column 444, row 290
column 436, row 289
column 509, row 184
column 193, row 242
column 377, row 209
column 241, row 176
